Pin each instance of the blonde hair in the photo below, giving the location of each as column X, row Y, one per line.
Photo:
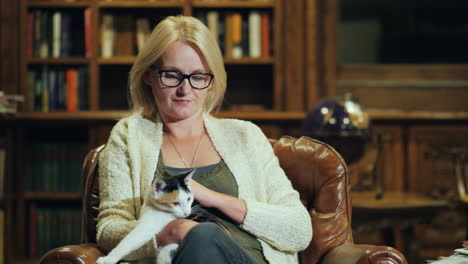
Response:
column 168, row 31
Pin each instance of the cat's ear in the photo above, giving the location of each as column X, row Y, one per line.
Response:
column 189, row 176
column 159, row 184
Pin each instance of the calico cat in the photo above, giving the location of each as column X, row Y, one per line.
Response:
column 169, row 198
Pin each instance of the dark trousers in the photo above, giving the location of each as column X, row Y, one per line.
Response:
column 208, row 243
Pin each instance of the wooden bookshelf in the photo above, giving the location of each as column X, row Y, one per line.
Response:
column 105, row 93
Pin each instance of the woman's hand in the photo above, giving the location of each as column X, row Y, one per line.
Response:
column 174, row 232
column 202, row 194
column 231, row 206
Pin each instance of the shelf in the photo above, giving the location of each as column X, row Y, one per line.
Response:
column 247, row 61
column 234, row 4
column 52, row 196
column 117, row 60
column 116, row 115
column 140, row 4
column 63, row 4
column 70, row 60
column 398, row 72
column 374, row 114
column 124, row 60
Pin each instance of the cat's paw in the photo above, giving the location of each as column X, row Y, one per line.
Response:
column 166, row 254
column 106, row 260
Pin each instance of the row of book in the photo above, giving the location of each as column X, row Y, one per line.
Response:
column 9, row 104
column 241, row 34
column 51, row 227
column 54, row 166
column 122, row 34
column 58, row 33
column 57, row 87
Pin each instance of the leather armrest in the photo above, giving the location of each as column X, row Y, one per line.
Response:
column 363, row 254
column 76, row 254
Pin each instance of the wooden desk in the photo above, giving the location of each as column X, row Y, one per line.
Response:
column 394, row 210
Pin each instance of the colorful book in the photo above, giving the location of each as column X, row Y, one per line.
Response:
column 237, row 35
column 72, row 90
column 88, row 32
column 266, row 35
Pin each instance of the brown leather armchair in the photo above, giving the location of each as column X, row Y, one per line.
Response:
column 315, row 169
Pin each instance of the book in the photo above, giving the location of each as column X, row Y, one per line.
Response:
column 107, row 36
column 236, row 35
column 43, row 34
column 44, row 88
column 56, row 33
column 212, row 20
column 228, row 42
column 65, row 37
column 143, row 31
column 255, row 34
column 88, row 32
column 124, row 39
column 72, row 89
column 266, row 35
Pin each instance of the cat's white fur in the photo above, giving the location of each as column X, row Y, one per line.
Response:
column 154, row 217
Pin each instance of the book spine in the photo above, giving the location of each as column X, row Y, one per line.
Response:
column 107, row 36
column 255, row 44
column 236, row 35
column 56, row 33
column 88, row 32
column 72, row 90
column 212, row 19
column 266, row 35
column 228, row 36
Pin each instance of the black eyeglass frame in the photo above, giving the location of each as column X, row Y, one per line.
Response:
column 184, row 76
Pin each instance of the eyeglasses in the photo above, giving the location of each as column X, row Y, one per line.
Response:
column 198, row 81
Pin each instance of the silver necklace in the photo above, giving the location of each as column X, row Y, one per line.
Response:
column 178, row 153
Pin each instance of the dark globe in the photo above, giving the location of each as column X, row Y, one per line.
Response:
column 342, row 123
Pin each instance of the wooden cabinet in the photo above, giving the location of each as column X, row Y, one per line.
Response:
column 431, row 171
column 393, row 55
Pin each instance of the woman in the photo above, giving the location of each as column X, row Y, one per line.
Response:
column 177, row 80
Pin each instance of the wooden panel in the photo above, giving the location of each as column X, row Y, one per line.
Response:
column 294, row 55
column 410, row 98
column 434, row 175
column 402, row 72
column 424, row 172
column 312, row 41
column 392, row 156
column 330, row 61
column 9, row 45
column 381, row 166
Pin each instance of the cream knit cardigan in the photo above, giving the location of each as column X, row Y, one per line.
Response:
column 275, row 214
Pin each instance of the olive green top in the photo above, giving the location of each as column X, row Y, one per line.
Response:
column 219, row 178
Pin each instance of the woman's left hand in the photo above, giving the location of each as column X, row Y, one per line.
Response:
column 202, row 194
column 231, row 206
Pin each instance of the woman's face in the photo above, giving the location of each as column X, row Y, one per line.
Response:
column 181, row 102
